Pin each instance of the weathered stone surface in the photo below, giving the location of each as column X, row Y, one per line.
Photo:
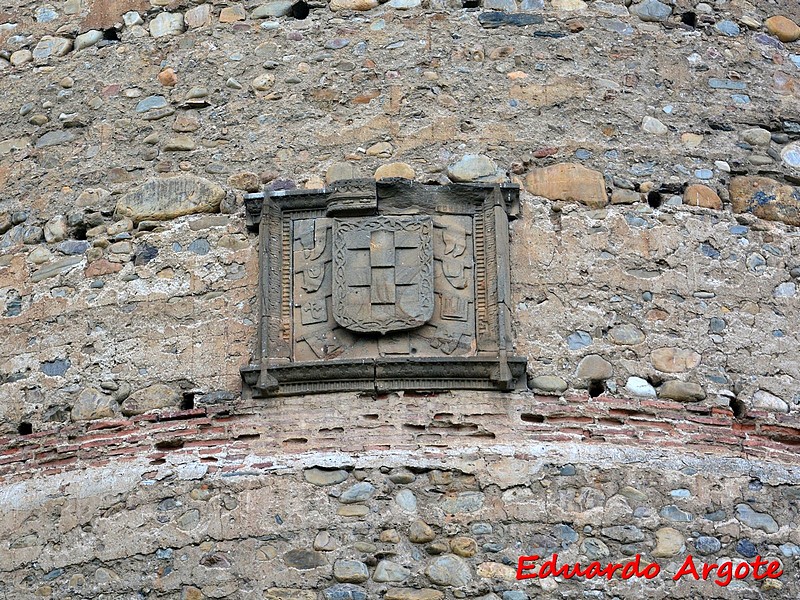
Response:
column 674, row 360
column 55, row 138
column 199, row 16
column 406, row 500
column 13, row 144
column 626, row 335
column 669, row 543
column 246, row 181
column 323, row 477
column 287, row 593
column 783, row 28
column 703, row 196
column 473, row 167
column 548, row 384
column 55, row 230
column 623, row 196
column 594, row 368
column 350, row 571
column 464, row 502
column 568, row 181
column 166, row 24
column 766, row 199
column 627, row 534
column 757, row 520
column 654, row 126
column 681, row 390
column 92, row 404
column 495, row 570
column 757, row 136
column 341, row 170
column 358, row 493
column 398, row 169
column 304, row 559
column 390, row 572
column 344, row 591
column 449, row 570
column 88, row 39
column 359, row 5
column 707, row 545
column 275, row 8
column 57, row 267
column 104, row 14
column 640, row 387
column 413, row 594
column 651, row 10
column 230, row 14
column 168, row 198
column 155, row 397
column 51, row 46
column 464, row 546
column 420, row 532
column 765, row 401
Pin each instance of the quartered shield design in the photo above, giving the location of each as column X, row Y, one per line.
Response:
column 383, row 272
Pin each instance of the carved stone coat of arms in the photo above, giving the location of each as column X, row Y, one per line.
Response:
column 384, row 286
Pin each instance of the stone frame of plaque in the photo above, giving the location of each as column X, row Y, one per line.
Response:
column 383, row 286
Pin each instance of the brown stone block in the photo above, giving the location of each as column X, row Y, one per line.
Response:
column 555, row 91
column 703, row 196
column 766, row 198
column 568, row 181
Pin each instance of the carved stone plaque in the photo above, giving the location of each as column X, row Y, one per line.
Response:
column 384, row 286
column 383, row 273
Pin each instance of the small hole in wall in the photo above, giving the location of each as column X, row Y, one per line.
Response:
column 654, row 199
column 111, row 34
column 25, row 428
column 738, row 407
column 596, row 388
column 689, row 18
column 300, row 10
column 79, row 232
column 188, row 401
column 470, row 3
column 529, row 418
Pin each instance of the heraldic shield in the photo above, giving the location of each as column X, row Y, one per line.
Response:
column 383, row 273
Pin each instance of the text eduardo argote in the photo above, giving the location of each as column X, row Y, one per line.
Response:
column 722, row 573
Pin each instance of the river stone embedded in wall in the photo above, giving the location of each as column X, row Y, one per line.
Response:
column 766, row 199
column 357, row 493
column 674, row 360
column 756, row 520
column 669, row 542
column 322, row 477
column 766, row 401
column 387, row 571
column 92, row 404
column 168, row 198
column 681, row 390
column 449, row 570
column 474, row 167
column 154, row 397
column 594, row 368
column 350, row 571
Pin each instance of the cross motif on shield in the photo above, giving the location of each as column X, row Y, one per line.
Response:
column 383, row 273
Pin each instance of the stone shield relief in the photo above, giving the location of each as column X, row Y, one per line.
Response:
column 387, row 286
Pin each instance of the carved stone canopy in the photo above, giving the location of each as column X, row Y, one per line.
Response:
column 384, row 286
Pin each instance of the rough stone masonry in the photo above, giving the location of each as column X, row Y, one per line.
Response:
column 654, row 278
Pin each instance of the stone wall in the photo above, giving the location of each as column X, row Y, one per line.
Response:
column 654, row 279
